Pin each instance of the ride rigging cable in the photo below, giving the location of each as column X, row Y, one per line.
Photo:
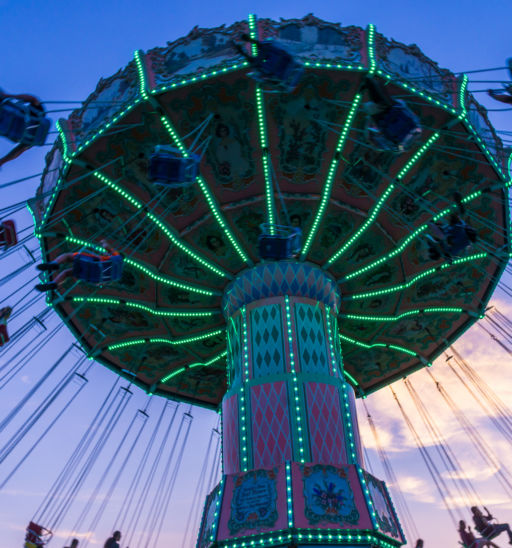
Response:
column 403, row 508
column 437, row 478
column 476, row 438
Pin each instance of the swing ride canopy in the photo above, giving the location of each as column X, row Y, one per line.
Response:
column 298, row 159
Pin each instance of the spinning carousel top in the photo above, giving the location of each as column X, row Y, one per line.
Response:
column 381, row 167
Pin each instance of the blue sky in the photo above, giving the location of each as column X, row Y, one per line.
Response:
column 59, row 50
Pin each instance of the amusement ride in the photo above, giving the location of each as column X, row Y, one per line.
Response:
column 271, row 220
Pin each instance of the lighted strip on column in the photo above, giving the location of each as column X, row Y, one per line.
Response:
column 295, row 382
column 243, row 387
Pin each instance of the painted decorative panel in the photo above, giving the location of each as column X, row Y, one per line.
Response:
column 310, row 334
column 267, row 341
column 271, row 440
column 208, row 525
column 386, row 516
column 325, row 424
column 253, row 503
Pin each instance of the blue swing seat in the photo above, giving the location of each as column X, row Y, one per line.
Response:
column 168, row 168
column 22, row 123
column 284, row 243
column 398, row 127
column 95, row 269
column 274, row 65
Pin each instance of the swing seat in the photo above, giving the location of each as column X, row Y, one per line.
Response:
column 22, row 123
column 8, row 236
column 168, row 168
column 457, row 239
column 398, row 125
column 94, row 269
column 284, row 243
column 275, row 65
column 37, row 536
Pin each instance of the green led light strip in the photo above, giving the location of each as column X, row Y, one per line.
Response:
column 350, row 378
column 282, row 536
column 65, row 150
column 167, row 280
column 369, row 503
column 204, row 76
column 411, row 237
column 106, row 126
column 406, row 285
column 289, row 496
column 348, row 426
column 141, row 74
column 168, row 231
column 262, row 130
column 464, row 117
column 383, row 345
column 336, row 66
column 295, row 382
column 210, row 200
column 253, row 32
column 153, row 311
column 220, row 496
column 55, row 191
column 382, row 200
column 488, row 153
column 328, row 316
column 418, row 92
column 333, row 358
column 245, row 373
column 371, row 49
column 326, row 191
column 192, row 365
column 172, row 342
column 415, row 312
column 462, row 97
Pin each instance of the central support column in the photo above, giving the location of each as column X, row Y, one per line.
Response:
column 292, row 459
column 288, row 400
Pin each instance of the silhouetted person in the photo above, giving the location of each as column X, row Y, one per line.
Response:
column 487, row 529
column 112, row 542
column 469, row 540
column 89, row 267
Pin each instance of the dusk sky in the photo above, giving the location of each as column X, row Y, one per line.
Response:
column 58, row 50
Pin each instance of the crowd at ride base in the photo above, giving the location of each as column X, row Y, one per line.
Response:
column 390, row 126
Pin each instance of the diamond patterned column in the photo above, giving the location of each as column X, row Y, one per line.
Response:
column 291, row 449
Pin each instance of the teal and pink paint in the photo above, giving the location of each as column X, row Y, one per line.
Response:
column 293, row 466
